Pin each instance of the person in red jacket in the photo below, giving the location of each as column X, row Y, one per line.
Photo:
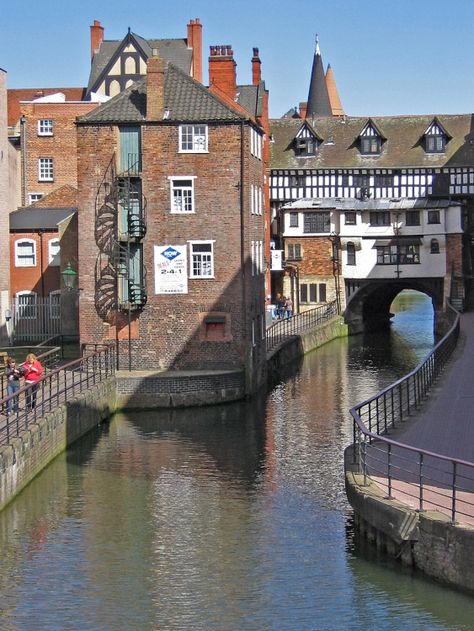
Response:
column 32, row 371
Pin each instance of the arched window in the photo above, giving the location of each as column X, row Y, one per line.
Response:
column 434, row 249
column 351, row 253
column 25, row 253
column 114, row 87
column 130, row 65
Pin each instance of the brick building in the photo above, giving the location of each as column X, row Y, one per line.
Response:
column 171, row 218
column 4, row 205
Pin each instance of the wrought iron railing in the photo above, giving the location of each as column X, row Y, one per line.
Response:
column 420, row 478
column 285, row 328
column 49, row 357
column 55, row 387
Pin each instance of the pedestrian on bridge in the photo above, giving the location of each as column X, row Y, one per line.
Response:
column 13, row 374
column 289, row 307
column 32, row 371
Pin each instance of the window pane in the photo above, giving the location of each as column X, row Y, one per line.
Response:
column 313, row 292
column 322, row 292
column 304, row 293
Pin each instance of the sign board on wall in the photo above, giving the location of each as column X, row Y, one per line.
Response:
column 276, row 260
column 171, row 269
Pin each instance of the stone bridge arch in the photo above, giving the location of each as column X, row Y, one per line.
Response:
column 368, row 302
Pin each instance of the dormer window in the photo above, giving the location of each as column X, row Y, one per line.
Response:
column 435, row 138
column 306, row 142
column 370, row 140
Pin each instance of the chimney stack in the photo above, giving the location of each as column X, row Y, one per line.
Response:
column 222, row 70
column 256, row 68
column 97, row 37
column 155, row 88
column 195, row 43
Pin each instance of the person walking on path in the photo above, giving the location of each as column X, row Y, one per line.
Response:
column 13, row 374
column 289, row 307
column 32, row 371
column 280, row 303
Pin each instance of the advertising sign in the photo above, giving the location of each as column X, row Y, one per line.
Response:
column 171, row 269
column 276, row 260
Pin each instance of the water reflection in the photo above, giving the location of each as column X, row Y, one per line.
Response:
column 228, row 518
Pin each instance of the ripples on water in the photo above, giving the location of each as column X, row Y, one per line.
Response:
column 230, row 518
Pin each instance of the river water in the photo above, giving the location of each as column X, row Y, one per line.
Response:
column 231, row 518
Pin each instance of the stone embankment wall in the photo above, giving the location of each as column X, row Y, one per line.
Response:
column 35, row 448
column 425, row 540
column 297, row 345
column 146, row 389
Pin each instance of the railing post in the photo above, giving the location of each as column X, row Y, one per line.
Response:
column 389, row 470
column 453, row 497
column 420, row 477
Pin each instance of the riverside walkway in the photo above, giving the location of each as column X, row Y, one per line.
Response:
column 424, row 457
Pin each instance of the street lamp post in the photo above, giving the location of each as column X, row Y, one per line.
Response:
column 69, row 277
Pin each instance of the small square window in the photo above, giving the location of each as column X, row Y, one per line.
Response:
column 412, row 217
column 380, row 218
column 45, row 127
column 370, row 145
column 350, row 218
column 433, row 216
column 193, row 138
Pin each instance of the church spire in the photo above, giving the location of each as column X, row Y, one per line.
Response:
column 334, row 100
column 318, row 97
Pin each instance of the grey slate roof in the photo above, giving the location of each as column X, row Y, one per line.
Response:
column 403, row 146
column 185, row 98
column 340, row 203
column 174, row 50
column 250, row 97
column 39, row 218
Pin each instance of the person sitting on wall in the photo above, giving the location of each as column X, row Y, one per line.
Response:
column 13, row 374
column 32, row 371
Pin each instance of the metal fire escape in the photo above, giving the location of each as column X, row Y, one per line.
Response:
column 120, row 227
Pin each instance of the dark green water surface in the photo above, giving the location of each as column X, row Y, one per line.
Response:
column 230, row 518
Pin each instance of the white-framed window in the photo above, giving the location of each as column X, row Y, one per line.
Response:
column 45, row 127
column 55, row 304
column 53, row 252
column 34, row 197
column 193, row 138
column 25, row 253
column 182, row 194
column 255, row 143
column 26, row 305
column 201, row 259
column 260, row 200
column 252, row 256
column 45, row 170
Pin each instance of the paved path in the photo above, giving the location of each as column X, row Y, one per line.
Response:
column 444, row 425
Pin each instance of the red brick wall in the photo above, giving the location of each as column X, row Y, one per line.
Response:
column 62, row 146
column 169, row 334
column 453, row 254
column 29, row 278
column 316, row 255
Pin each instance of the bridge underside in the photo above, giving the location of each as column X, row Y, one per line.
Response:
column 368, row 301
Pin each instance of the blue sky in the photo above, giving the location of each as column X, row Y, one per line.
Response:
column 388, row 56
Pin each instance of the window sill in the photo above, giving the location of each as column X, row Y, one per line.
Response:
column 193, row 151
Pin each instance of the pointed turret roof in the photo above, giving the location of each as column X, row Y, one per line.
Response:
column 318, row 97
column 334, row 100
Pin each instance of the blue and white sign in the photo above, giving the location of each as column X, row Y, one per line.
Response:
column 171, row 269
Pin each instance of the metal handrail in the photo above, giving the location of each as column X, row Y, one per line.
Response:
column 285, row 328
column 419, row 477
column 54, row 388
column 49, row 358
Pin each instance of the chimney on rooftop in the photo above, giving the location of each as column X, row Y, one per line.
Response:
column 256, row 68
column 195, row 43
column 97, row 37
column 222, row 70
column 155, row 88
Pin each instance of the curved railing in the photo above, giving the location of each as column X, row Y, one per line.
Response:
column 285, row 328
column 422, row 479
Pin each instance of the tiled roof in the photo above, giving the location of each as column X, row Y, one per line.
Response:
column 250, row 97
column 403, row 146
column 184, row 98
column 15, row 96
column 174, row 50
